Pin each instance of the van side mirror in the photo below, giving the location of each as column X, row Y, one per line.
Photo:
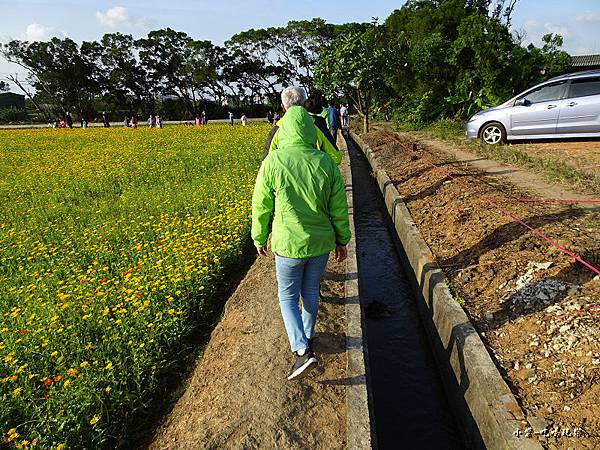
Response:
column 522, row 102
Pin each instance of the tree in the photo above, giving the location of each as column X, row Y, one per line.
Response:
column 64, row 75
column 354, row 66
column 4, row 86
column 127, row 85
column 165, row 56
column 453, row 57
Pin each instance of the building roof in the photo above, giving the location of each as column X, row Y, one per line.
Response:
column 11, row 94
column 585, row 60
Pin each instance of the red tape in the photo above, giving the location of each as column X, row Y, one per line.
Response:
column 552, row 200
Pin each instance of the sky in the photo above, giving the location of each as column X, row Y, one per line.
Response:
column 578, row 21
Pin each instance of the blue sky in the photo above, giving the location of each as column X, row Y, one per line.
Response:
column 216, row 20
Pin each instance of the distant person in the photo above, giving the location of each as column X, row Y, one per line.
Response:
column 335, row 122
column 314, row 105
column 133, row 122
column 84, row 123
column 231, row 118
column 276, row 116
column 344, row 115
column 152, row 121
column 204, row 118
column 159, row 122
column 126, row 122
column 244, row 120
column 270, row 117
column 69, row 120
column 63, row 123
column 105, row 119
column 300, row 197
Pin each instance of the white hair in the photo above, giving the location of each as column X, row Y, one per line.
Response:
column 293, row 96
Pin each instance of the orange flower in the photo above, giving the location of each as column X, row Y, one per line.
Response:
column 48, row 381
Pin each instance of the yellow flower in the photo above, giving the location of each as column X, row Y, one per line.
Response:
column 60, row 446
column 94, row 420
column 17, row 391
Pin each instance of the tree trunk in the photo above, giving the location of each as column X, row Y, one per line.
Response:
column 366, row 122
column 15, row 80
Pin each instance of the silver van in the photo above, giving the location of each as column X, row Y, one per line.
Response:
column 564, row 106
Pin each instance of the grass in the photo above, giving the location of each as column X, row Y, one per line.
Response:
column 553, row 168
column 114, row 248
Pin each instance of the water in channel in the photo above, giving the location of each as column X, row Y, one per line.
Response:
column 408, row 407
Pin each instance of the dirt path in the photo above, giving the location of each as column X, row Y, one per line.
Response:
column 537, row 310
column 533, row 183
column 238, row 396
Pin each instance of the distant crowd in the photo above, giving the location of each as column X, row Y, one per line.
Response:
column 339, row 117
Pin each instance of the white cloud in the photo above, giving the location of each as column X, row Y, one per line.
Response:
column 38, row 32
column 118, row 18
column 114, row 17
column 589, row 17
column 534, row 31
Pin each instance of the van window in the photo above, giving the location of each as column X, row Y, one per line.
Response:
column 585, row 87
column 547, row 93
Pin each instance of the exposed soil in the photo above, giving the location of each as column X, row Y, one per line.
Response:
column 536, row 308
column 237, row 397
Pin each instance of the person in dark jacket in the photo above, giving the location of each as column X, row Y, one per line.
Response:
column 335, row 121
column 314, row 105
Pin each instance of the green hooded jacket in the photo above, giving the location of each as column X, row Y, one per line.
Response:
column 321, row 143
column 301, row 189
column 325, row 115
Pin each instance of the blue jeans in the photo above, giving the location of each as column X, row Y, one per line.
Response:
column 297, row 277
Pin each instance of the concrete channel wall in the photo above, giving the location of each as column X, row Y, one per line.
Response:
column 358, row 422
column 485, row 407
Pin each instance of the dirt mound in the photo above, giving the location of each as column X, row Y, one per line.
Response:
column 238, row 397
column 535, row 308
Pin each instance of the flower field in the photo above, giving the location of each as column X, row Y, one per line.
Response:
column 113, row 243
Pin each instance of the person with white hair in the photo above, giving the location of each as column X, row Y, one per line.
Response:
column 300, row 191
column 296, row 96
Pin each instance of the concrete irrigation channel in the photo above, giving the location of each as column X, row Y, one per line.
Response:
column 430, row 380
column 407, row 399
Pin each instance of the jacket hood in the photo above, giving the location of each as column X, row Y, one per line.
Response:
column 297, row 128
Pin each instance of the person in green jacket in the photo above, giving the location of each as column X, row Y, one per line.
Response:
column 302, row 191
column 297, row 96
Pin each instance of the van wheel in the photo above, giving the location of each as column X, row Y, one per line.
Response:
column 493, row 133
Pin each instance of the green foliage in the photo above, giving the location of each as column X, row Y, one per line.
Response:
column 12, row 115
column 455, row 57
column 127, row 76
column 354, row 66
